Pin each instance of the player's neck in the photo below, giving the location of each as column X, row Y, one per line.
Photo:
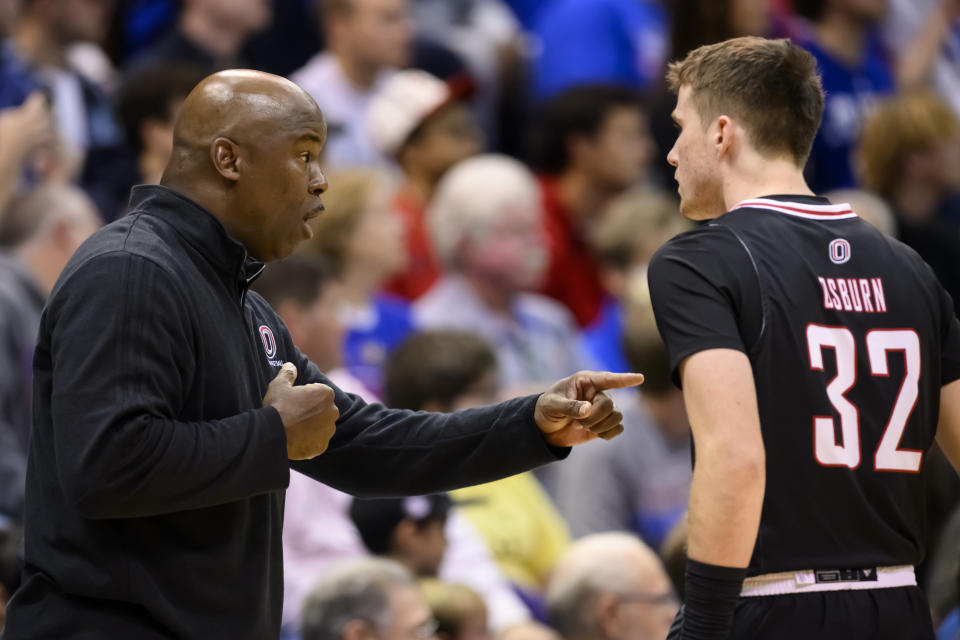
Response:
column 776, row 177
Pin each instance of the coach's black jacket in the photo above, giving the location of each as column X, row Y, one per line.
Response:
column 156, row 480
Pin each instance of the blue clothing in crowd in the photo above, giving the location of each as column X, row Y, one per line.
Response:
column 600, row 41
column 851, row 91
column 527, row 11
column 604, row 339
column 950, row 627
column 372, row 335
column 106, row 175
column 16, row 82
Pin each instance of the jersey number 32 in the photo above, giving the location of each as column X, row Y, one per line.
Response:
column 846, row 453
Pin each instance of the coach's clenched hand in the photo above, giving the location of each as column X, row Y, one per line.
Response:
column 308, row 413
column 576, row 409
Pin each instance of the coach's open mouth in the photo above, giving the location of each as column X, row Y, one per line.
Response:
column 313, row 213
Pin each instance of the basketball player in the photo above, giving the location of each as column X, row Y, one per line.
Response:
column 815, row 355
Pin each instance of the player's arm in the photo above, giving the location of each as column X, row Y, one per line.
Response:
column 706, row 299
column 728, row 480
column 948, row 429
column 726, row 497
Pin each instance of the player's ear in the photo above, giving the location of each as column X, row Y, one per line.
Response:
column 224, row 154
column 723, row 137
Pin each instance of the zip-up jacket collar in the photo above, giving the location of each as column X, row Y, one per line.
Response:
column 202, row 231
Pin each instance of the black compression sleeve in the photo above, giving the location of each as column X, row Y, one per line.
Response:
column 711, row 594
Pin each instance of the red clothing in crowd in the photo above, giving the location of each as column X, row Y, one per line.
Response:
column 422, row 269
column 573, row 276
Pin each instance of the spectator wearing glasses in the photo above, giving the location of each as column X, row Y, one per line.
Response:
column 610, row 586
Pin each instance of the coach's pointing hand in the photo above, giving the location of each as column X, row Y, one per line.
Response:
column 308, row 413
column 576, row 409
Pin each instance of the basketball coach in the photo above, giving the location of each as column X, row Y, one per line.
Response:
column 170, row 403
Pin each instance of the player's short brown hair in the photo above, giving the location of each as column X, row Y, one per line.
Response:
column 771, row 87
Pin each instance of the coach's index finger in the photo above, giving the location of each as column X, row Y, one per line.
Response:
column 603, row 380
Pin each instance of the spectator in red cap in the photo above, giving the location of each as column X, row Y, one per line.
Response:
column 427, row 126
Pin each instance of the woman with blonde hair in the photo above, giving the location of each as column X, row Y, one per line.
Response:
column 361, row 237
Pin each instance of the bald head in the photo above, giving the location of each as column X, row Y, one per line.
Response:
column 237, row 104
column 246, row 147
column 597, row 576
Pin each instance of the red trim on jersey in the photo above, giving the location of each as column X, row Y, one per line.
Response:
column 828, row 211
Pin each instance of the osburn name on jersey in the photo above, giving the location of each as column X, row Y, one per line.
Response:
column 863, row 295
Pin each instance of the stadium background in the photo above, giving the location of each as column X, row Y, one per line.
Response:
column 497, row 184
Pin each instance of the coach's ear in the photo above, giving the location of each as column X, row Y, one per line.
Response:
column 223, row 153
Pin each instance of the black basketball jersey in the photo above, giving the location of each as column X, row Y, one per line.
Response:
column 850, row 336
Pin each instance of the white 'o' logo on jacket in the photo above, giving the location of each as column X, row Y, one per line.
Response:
column 269, row 344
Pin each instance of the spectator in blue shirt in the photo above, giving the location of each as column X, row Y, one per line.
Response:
column 24, row 124
column 527, row 11
column 16, row 83
column 83, row 113
column 855, row 72
column 599, row 41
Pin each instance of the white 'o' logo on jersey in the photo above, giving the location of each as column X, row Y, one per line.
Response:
column 839, row 251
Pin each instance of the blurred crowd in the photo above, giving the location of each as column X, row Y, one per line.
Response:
column 497, row 186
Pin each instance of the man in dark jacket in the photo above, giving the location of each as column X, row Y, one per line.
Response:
column 164, row 434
